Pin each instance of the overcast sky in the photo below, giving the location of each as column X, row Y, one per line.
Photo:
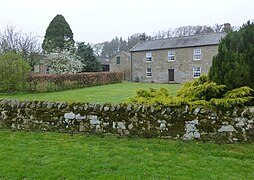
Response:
column 96, row 21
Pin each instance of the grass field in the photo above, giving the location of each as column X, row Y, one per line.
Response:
column 105, row 93
column 26, row 155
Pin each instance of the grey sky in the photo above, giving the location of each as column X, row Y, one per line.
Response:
column 96, row 21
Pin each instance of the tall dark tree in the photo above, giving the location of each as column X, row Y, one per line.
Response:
column 233, row 65
column 58, row 35
column 87, row 57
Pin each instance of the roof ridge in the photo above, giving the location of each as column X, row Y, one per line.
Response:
column 204, row 34
column 179, row 42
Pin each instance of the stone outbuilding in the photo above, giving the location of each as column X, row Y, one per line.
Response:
column 121, row 63
column 174, row 60
column 104, row 64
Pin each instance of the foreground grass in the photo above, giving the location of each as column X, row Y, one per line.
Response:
column 114, row 93
column 27, row 155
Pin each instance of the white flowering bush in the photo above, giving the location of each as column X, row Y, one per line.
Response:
column 63, row 62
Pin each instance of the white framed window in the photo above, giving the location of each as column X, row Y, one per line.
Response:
column 196, row 72
column 148, row 72
column 148, row 56
column 171, row 55
column 197, row 54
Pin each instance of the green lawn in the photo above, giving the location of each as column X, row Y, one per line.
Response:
column 104, row 93
column 26, row 155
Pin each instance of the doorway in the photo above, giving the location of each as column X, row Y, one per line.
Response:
column 171, row 75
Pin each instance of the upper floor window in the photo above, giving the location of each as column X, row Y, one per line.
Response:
column 118, row 60
column 148, row 72
column 171, row 55
column 197, row 54
column 196, row 72
column 148, row 56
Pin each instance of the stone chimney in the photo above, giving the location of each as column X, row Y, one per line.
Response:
column 227, row 27
column 142, row 38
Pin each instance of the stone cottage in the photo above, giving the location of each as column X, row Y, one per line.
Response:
column 121, row 63
column 174, row 60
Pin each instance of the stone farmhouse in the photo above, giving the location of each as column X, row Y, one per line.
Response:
column 173, row 60
column 121, row 63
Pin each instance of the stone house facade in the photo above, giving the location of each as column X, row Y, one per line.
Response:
column 174, row 60
column 121, row 63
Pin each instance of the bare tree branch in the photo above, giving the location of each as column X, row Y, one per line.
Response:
column 12, row 40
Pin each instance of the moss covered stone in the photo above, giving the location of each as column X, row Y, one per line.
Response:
column 129, row 120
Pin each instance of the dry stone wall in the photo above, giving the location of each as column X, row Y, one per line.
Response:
column 129, row 120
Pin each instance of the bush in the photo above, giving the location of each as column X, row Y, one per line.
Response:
column 156, row 98
column 201, row 89
column 197, row 92
column 14, row 72
column 234, row 98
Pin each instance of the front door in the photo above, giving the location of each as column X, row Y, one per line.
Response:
column 171, row 75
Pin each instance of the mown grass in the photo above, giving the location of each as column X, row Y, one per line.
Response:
column 113, row 93
column 27, row 155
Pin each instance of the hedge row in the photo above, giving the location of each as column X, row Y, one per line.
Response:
column 46, row 83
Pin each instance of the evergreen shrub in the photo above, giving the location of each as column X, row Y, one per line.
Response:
column 197, row 92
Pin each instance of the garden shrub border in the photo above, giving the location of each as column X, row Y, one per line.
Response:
column 57, row 82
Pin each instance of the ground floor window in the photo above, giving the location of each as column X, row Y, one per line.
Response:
column 148, row 72
column 196, row 72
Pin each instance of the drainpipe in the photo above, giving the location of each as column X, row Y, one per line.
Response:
column 131, row 68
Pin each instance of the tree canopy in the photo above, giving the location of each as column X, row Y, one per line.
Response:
column 14, row 72
column 63, row 62
column 58, row 35
column 233, row 65
column 86, row 55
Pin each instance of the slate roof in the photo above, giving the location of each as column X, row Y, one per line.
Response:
column 179, row 42
column 126, row 53
column 103, row 61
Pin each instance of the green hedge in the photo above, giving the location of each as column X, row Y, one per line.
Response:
column 47, row 83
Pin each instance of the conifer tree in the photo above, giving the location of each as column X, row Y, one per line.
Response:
column 58, row 36
column 233, row 65
column 86, row 55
